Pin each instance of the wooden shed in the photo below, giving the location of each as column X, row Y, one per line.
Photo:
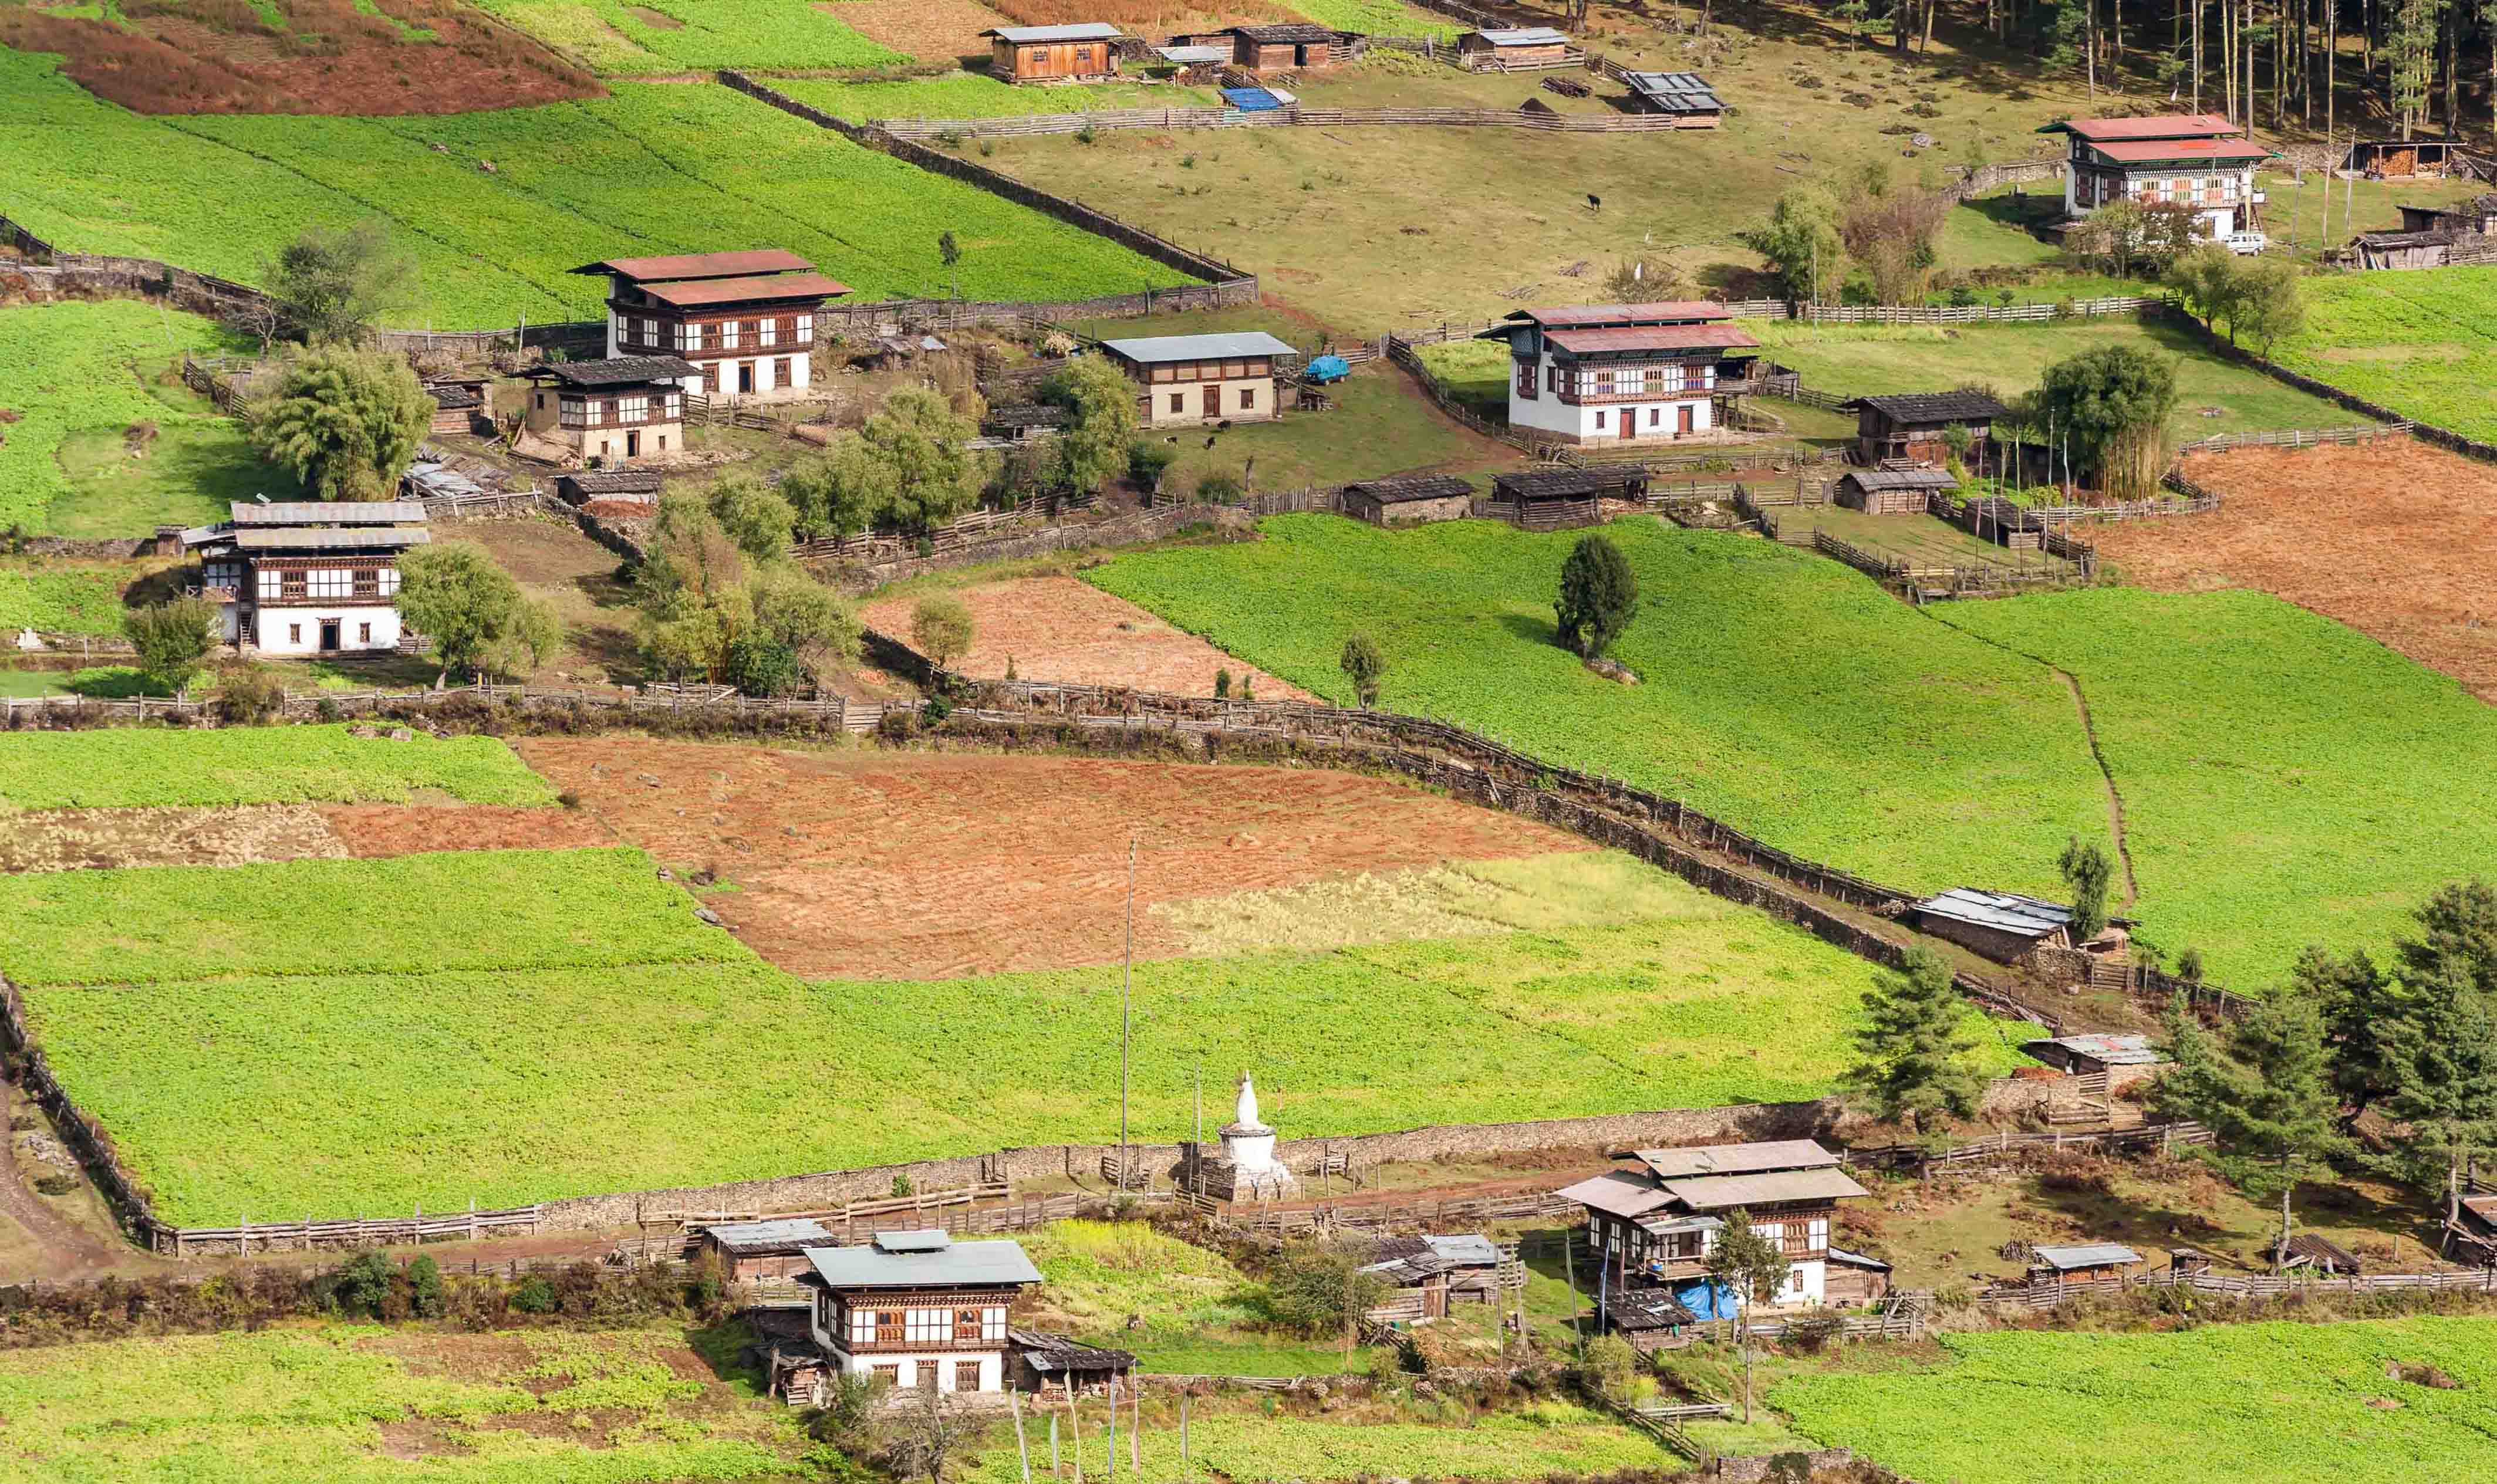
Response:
column 458, row 403
column 752, row 1251
column 2321, row 1254
column 2004, row 523
column 1855, row 1279
column 1517, row 48
column 1651, row 1319
column 1293, row 47
column 2477, row 218
column 1022, row 422
column 1892, row 491
column 1055, row 1367
column 1410, row 499
column 1683, row 96
column 2097, row 1052
column 1914, row 425
column 1086, row 52
column 2095, row 1262
column 1550, row 499
column 611, row 491
column 2002, row 926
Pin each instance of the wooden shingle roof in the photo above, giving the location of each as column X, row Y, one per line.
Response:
column 1934, row 406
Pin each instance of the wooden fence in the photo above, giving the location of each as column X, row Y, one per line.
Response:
column 2260, row 1287
column 2298, row 438
column 308, row 1235
column 1173, row 121
column 1426, row 1216
column 1998, row 1148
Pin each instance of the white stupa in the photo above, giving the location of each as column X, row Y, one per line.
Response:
column 1246, row 1169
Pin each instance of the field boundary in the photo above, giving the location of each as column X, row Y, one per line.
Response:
column 2429, row 432
column 1298, row 115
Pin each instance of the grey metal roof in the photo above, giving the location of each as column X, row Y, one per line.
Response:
column 2003, row 911
column 1618, row 1192
column 1077, row 31
column 1902, row 479
column 326, row 512
column 1047, row 1353
column 2113, row 1050
column 1846, row 1259
column 1676, row 92
column 880, row 1265
column 1724, row 1192
column 1193, row 56
column 2096, row 1254
column 1668, row 1226
column 202, row 535
column 769, row 1236
column 1153, row 349
column 1691, row 1161
column 615, row 371
column 1472, row 1249
column 923, row 1239
column 1406, row 488
column 294, row 538
column 1523, row 36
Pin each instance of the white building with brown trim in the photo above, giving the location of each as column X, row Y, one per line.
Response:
column 918, row 1309
column 2200, row 161
column 299, row 578
column 744, row 320
column 1622, row 373
column 1657, row 1223
column 1208, row 378
column 616, row 411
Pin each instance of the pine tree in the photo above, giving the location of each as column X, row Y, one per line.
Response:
column 1599, row 595
column 2358, row 1001
column 2267, row 1097
column 2442, row 1053
column 1916, row 1045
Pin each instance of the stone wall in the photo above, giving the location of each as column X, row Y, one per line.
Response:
column 1156, row 524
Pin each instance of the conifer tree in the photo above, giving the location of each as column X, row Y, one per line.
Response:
column 1915, row 1045
column 2267, row 1096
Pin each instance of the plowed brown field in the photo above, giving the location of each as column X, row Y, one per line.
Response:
column 916, row 866
column 1057, row 628
column 2396, row 539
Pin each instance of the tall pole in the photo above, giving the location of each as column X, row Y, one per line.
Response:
column 1126, row 989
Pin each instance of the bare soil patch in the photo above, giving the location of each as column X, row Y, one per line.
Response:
column 2396, row 539
column 247, row 835
column 917, row 866
column 931, row 30
column 1057, row 628
column 370, row 831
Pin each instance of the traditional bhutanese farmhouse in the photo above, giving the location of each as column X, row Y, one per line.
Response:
column 2200, row 161
column 2002, row 926
column 1410, row 499
column 1683, row 96
column 918, row 1309
column 749, row 1250
column 745, row 320
column 1621, row 373
column 1916, row 426
column 1086, row 52
column 1892, row 491
column 1206, row 378
column 1656, row 1224
column 1291, row 46
column 2095, row 1262
column 615, row 411
column 1516, row 49
column 307, row 578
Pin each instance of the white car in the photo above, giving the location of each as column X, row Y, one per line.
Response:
column 2245, row 243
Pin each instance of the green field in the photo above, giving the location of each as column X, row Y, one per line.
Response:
column 79, row 374
column 2287, row 780
column 609, row 37
column 656, row 167
column 1553, row 1438
column 1199, row 1314
column 134, row 767
column 54, row 597
column 338, row 1077
column 2423, row 345
column 979, row 95
column 360, row 1404
column 2216, row 1404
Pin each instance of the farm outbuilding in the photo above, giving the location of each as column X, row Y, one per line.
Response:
column 2407, row 159
column 1205, row 378
column 1057, row 1367
column 1550, row 499
column 1682, row 95
column 2094, row 1053
column 1651, row 1319
column 458, row 403
column 1517, row 48
column 2093, row 1262
column 1291, row 46
column 2477, row 216
column 1892, row 491
column 1437, row 1272
column 2004, row 523
column 1856, row 1278
column 751, row 1250
column 1086, row 52
column 2002, row 926
column 1410, row 499
column 1916, row 425
column 1022, row 422
column 611, row 491
column 2320, row 1254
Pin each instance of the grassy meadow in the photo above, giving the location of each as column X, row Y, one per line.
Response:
column 2422, row 344
column 130, row 768
column 677, row 36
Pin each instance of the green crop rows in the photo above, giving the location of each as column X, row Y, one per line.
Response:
column 977, row 95
column 1784, row 693
column 2423, row 345
column 1551, row 1438
column 588, row 1408
column 654, row 168
column 335, row 1080
column 2216, row 1404
column 125, row 768
column 2286, row 780
column 710, row 34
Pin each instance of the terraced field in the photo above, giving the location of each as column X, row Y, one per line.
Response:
column 2423, row 345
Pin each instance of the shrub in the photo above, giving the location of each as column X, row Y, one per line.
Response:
column 1220, row 488
column 534, row 1296
column 424, row 1289
column 1222, row 684
column 250, row 693
column 1315, row 1290
column 1611, row 1367
column 1365, row 666
column 362, row 1283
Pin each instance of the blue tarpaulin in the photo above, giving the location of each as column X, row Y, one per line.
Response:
column 1251, row 100
column 1709, row 1301
column 1326, row 368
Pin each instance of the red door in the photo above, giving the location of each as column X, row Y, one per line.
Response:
column 1683, row 417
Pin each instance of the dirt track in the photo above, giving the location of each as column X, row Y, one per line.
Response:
column 2396, row 539
column 1055, row 628
column 917, row 866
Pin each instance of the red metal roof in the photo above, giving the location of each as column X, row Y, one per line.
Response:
column 731, row 291
column 1650, row 338
column 1661, row 312
column 2143, row 151
column 2160, row 126
column 702, row 265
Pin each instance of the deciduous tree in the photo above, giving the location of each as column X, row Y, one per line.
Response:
column 333, row 284
column 2110, row 406
column 1599, row 597
column 174, row 638
column 2086, row 875
column 346, row 423
column 1755, row 1269
column 1092, row 449
column 1365, row 666
column 753, row 514
column 1803, row 243
column 941, row 628
column 1917, row 1051
column 476, row 615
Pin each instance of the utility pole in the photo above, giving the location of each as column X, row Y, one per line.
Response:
column 1127, row 993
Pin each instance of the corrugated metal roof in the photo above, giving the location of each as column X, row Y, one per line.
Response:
column 1075, row 31
column 702, row 265
column 2005, row 911
column 1153, row 349
column 1579, row 342
column 760, row 1235
column 923, row 1239
column 730, row 291
column 1846, row 1258
column 1523, row 36
column 1724, row 1192
column 325, row 511
column 299, row 538
column 2113, row 1050
column 1470, row 1249
column 1676, row 92
column 1667, row 1226
column 1690, row 1160
column 1617, row 1192
column 1901, row 478
column 961, row 1263
column 2095, row 1254
column 2148, row 151
column 1645, row 1309
column 1934, row 406
column 1402, row 488
column 1299, row 33
column 1662, row 311
column 1194, row 56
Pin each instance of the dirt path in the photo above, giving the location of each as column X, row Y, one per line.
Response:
column 63, row 1249
column 2114, row 798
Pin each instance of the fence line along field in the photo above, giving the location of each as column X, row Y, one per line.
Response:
column 2386, row 1402
column 653, row 168
column 2394, row 538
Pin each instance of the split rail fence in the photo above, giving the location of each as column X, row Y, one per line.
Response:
column 2055, row 1293
column 1173, row 121
column 306, row 1235
column 2000, row 1148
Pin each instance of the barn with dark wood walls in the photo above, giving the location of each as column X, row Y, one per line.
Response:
column 1410, row 499
column 1294, row 46
column 2002, row 926
column 1683, row 96
column 1892, row 491
column 1517, row 48
column 750, row 1250
column 1916, row 425
column 1086, row 52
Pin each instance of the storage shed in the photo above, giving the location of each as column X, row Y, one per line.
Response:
column 458, row 403
column 1892, row 491
column 2095, row 1262
column 1550, row 499
column 1855, row 1279
column 1086, row 52
column 611, row 491
column 1683, row 96
column 2477, row 216
column 2306, row 1249
column 1057, row 1367
column 1651, row 1319
column 1517, row 48
column 2095, row 1053
column 752, row 1251
column 1292, row 47
column 2004, row 523
column 1410, row 499
column 1914, row 425
column 2002, row 926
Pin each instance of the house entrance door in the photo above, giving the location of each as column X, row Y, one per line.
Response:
column 1213, row 401
column 329, row 636
column 744, row 377
column 1683, row 418
column 1629, row 423
column 632, row 445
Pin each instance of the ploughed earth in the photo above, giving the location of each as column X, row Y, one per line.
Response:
column 925, row 866
column 246, row 835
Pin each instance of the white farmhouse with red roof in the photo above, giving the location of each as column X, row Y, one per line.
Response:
column 1621, row 373
column 2196, row 160
column 745, row 321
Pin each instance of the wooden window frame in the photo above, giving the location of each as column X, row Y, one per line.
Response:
column 1247, row 398
column 967, row 1371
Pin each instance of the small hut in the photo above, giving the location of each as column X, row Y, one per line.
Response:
column 1410, row 499
column 1086, row 52
column 1057, row 1367
column 2095, row 1262
column 1439, row 1271
column 749, row 1251
column 1651, row 1319
column 1683, row 96
column 1892, row 491
column 1916, row 425
column 1290, row 47
column 2418, row 159
column 1022, row 422
column 1855, row 1279
column 2320, row 1254
column 2002, row 926
column 458, row 403
column 611, row 491
column 2004, row 523
column 2094, row 1053
column 1517, row 48
column 1550, row 499
column 2476, row 217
